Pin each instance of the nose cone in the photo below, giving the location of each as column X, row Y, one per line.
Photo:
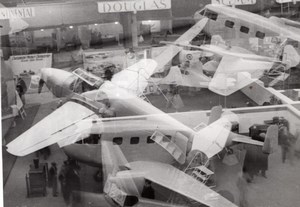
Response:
column 59, row 82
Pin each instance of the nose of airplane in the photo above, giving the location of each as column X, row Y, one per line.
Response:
column 58, row 81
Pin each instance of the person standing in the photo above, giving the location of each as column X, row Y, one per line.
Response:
column 63, row 182
column 73, row 182
column 148, row 191
column 242, row 184
column 53, row 178
column 283, row 142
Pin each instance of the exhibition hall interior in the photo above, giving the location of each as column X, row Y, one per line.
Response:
column 143, row 103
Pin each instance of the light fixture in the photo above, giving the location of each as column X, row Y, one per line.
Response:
column 71, row 27
column 42, row 30
column 149, row 21
column 116, row 22
column 96, row 24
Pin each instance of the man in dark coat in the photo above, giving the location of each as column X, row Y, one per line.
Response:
column 53, row 178
column 65, row 189
column 148, row 191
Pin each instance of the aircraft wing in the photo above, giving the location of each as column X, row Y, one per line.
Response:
column 50, row 130
column 178, row 181
column 235, row 73
column 166, row 56
column 135, row 78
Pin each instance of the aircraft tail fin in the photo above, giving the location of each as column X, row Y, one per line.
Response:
column 215, row 114
column 271, row 139
column 290, row 56
column 213, row 138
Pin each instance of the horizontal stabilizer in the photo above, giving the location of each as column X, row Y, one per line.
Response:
column 268, row 146
column 244, row 139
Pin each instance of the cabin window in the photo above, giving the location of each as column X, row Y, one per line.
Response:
column 260, row 35
column 244, row 29
column 117, row 140
column 211, row 15
column 149, row 140
column 229, row 24
column 134, row 140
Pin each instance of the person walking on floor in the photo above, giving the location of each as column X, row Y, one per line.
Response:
column 53, row 178
column 65, row 189
column 242, row 184
column 148, row 191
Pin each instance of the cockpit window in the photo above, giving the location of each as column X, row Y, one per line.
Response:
column 211, row 15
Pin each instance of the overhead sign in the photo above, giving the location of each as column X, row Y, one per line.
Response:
column 22, row 64
column 136, row 5
column 233, row 2
column 17, row 12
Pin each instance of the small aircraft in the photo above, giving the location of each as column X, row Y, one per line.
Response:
column 243, row 24
column 155, row 146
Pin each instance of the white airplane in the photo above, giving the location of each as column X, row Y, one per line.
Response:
column 155, row 145
column 243, row 24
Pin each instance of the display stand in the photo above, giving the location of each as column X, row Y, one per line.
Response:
column 36, row 180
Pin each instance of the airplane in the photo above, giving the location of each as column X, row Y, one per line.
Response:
column 243, row 24
column 156, row 146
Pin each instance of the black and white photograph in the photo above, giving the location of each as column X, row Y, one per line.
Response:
column 150, row 103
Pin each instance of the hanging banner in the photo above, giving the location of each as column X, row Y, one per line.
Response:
column 137, row 5
column 30, row 64
column 17, row 12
